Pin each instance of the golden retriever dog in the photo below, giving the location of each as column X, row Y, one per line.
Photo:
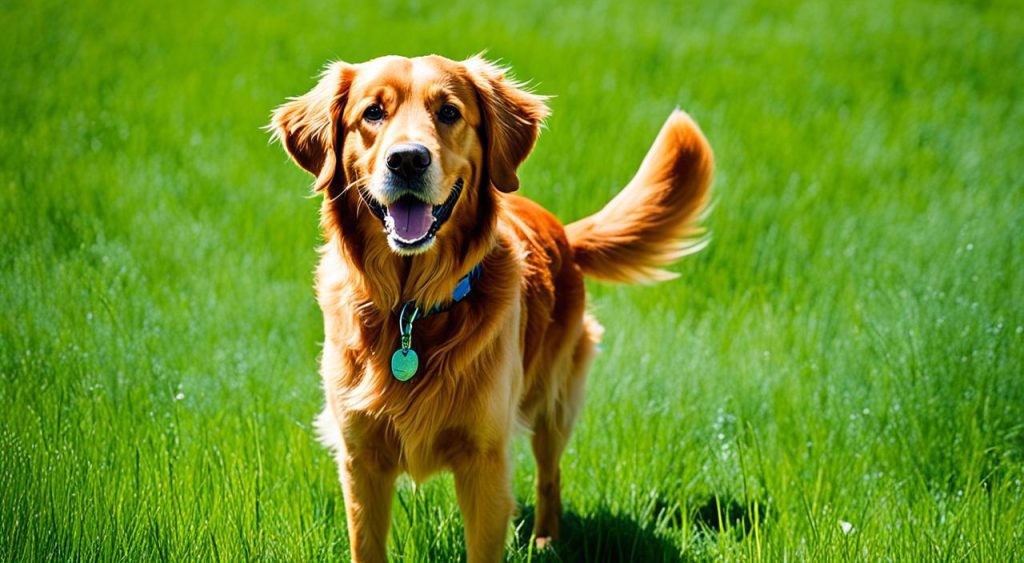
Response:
column 454, row 310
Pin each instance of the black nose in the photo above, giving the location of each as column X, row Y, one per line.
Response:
column 408, row 160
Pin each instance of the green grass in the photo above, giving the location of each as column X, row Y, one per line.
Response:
column 850, row 348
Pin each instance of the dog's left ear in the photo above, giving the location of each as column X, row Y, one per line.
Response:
column 308, row 126
column 512, row 118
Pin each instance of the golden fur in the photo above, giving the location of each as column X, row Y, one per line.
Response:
column 516, row 351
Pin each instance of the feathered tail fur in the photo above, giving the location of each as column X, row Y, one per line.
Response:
column 653, row 221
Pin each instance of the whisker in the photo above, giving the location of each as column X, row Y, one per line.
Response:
column 355, row 183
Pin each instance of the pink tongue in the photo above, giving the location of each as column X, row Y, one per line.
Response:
column 412, row 218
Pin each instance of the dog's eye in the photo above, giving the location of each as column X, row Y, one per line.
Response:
column 374, row 113
column 449, row 114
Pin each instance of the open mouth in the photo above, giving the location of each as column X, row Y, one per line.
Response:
column 410, row 222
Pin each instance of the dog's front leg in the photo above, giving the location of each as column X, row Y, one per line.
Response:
column 368, row 469
column 482, row 484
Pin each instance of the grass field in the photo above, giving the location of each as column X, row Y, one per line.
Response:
column 839, row 376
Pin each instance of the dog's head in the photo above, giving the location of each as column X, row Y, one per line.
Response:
column 416, row 141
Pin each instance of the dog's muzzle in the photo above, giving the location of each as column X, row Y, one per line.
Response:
column 409, row 221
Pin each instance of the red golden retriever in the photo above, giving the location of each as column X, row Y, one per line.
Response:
column 455, row 311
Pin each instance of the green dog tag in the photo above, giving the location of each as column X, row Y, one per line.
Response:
column 404, row 363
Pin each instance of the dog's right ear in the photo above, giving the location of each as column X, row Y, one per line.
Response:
column 308, row 126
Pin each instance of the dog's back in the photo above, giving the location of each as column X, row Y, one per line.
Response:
column 651, row 223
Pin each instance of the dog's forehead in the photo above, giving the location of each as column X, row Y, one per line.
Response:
column 406, row 77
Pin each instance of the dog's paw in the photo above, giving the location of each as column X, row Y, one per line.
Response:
column 543, row 543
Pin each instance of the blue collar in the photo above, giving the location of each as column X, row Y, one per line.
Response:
column 460, row 292
column 411, row 311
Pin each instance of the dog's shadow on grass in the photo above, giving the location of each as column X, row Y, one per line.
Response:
column 606, row 536
column 600, row 536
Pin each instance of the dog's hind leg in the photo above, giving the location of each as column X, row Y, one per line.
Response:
column 551, row 433
column 548, row 442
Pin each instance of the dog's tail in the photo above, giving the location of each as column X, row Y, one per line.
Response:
column 654, row 220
